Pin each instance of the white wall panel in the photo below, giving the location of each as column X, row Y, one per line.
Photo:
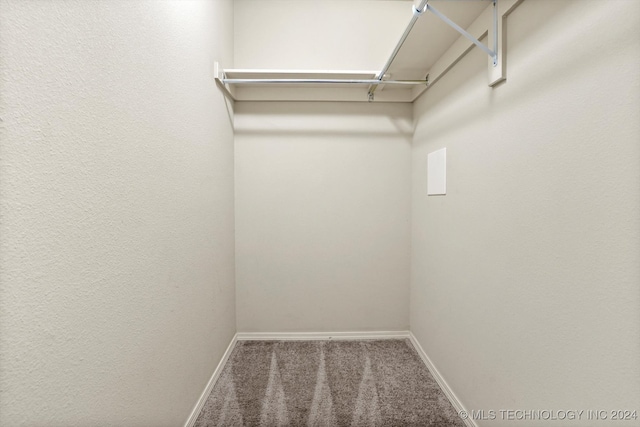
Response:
column 322, row 216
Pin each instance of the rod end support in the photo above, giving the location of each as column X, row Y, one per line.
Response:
column 419, row 11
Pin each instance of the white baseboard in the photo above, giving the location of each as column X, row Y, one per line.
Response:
column 458, row 406
column 320, row 336
column 212, row 381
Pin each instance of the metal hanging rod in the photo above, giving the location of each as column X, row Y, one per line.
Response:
column 321, row 81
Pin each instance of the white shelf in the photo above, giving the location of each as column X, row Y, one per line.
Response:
column 298, row 74
column 406, row 72
column 310, row 91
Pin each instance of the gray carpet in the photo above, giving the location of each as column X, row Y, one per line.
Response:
column 326, row 383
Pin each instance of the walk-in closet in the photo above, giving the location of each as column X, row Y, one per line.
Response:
column 319, row 213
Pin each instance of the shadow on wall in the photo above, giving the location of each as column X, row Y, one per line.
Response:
column 323, row 119
column 543, row 69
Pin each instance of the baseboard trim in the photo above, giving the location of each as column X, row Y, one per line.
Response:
column 321, row 336
column 440, row 380
column 212, row 381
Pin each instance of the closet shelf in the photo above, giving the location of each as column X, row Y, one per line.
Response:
column 311, row 85
column 383, row 85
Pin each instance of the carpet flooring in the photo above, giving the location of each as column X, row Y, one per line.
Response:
column 326, row 383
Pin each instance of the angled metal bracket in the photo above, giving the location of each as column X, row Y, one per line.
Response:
column 492, row 24
column 492, row 53
column 418, row 11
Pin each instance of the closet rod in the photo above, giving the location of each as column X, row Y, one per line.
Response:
column 417, row 12
column 321, row 81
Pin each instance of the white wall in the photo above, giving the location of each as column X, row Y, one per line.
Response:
column 525, row 275
column 322, row 216
column 116, row 186
column 322, row 195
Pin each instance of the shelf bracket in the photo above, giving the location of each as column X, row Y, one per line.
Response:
column 493, row 54
column 498, row 73
column 492, row 23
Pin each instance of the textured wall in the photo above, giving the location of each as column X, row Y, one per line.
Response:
column 322, row 216
column 116, row 186
column 525, row 275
